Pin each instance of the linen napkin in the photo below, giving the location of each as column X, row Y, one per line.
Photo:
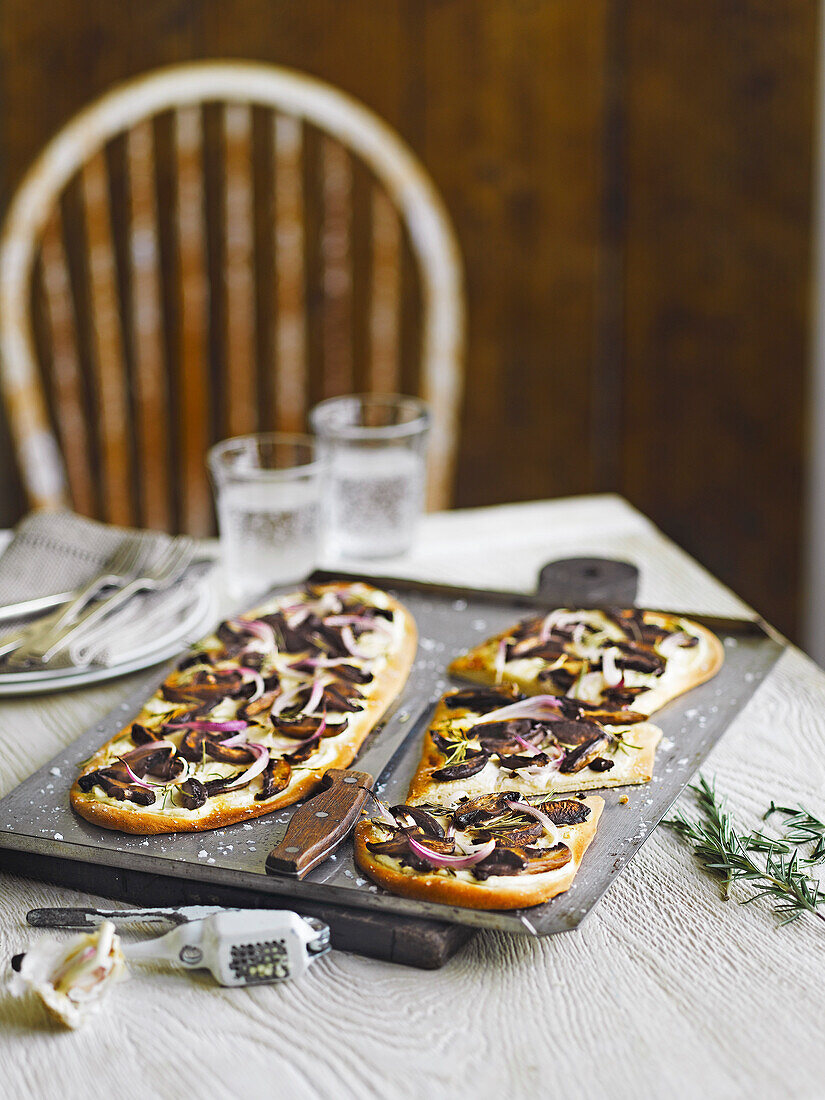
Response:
column 56, row 551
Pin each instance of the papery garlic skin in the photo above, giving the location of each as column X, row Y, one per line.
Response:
column 72, row 979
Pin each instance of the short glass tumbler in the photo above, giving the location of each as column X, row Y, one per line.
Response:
column 268, row 497
column 375, row 450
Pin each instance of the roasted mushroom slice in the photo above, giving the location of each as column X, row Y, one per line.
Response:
column 547, row 859
column 482, row 699
column 565, row 811
column 501, row 861
column 510, row 837
column 473, row 763
column 275, row 777
column 253, row 708
column 513, row 762
column 191, row 794
column 117, row 783
column 471, row 810
column 569, row 732
column 425, row 821
column 581, row 756
column 142, row 735
column 298, row 728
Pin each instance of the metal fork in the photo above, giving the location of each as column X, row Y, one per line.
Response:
column 168, row 568
column 118, row 570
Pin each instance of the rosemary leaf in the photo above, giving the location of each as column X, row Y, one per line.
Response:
column 729, row 855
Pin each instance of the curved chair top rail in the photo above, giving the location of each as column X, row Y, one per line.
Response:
column 394, row 165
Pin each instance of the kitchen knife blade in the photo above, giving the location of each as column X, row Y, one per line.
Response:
column 85, row 920
column 318, row 826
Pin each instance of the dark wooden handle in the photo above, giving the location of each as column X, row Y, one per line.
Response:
column 318, row 827
column 589, row 582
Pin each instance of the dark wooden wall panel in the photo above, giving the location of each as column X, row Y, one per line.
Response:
column 631, row 185
column 719, row 122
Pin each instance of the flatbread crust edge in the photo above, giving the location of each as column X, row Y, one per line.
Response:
column 227, row 810
column 477, row 666
column 501, row 892
column 638, row 769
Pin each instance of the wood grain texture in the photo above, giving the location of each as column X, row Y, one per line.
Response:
column 193, row 381
column 149, row 371
column 289, row 366
column 664, row 990
column 240, row 382
column 68, row 400
column 632, row 190
column 110, row 381
column 718, row 160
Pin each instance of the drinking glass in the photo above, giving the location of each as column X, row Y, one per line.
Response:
column 374, row 446
column 268, row 497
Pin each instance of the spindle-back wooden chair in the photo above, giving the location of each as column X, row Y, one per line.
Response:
column 170, row 274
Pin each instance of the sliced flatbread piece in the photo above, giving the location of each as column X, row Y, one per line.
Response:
column 521, row 852
column 255, row 715
column 485, row 740
column 627, row 658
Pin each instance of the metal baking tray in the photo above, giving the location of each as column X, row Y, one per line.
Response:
column 36, row 817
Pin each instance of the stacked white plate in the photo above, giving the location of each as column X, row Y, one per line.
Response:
column 162, row 640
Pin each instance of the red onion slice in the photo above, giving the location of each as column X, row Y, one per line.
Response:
column 261, row 630
column 384, row 812
column 501, row 660
column 542, row 707
column 559, row 617
column 454, row 863
column 147, row 750
column 533, row 811
column 668, row 646
column 348, row 638
column 255, row 768
column 315, row 697
column 379, row 624
column 315, row 736
column 319, row 662
column 528, row 746
column 612, row 675
column 236, row 739
column 252, row 675
column 298, row 616
column 138, row 782
column 285, row 700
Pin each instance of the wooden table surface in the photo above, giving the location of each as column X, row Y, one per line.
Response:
column 664, row 990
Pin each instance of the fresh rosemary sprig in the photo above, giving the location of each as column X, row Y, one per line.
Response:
column 618, row 744
column 801, row 827
column 728, row 854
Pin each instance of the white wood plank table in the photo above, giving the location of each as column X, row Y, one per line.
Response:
column 664, row 991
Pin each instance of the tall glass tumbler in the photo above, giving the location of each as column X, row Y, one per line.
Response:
column 375, row 451
column 268, row 497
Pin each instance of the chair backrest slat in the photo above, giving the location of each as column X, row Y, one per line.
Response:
column 193, row 380
column 385, row 300
column 210, row 282
column 109, row 365
column 290, row 343
column 239, row 273
column 336, row 260
column 66, row 380
column 151, row 392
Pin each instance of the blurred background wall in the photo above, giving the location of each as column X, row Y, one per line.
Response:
column 631, row 183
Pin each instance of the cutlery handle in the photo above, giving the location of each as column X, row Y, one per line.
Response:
column 34, row 606
column 318, row 827
column 59, row 639
column 86, row 919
